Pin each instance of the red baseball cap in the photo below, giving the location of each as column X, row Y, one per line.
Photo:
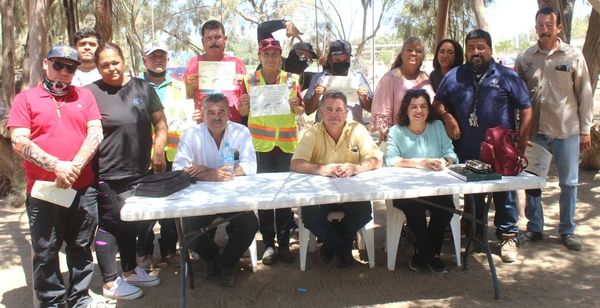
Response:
column 269, row 43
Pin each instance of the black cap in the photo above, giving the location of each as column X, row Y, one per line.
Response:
column 64, row 52
column 339, row 47
column 304, row 46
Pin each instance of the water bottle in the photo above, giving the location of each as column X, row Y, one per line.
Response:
column 227, row 157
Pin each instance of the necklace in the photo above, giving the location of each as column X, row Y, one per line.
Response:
column 58, row 106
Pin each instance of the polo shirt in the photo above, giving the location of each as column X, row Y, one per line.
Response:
column 62, row 136
column 354, row 146
column 232, row 95
column 501, row 93
column 560, row 90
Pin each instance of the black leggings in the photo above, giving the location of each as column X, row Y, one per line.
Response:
column 113, row 233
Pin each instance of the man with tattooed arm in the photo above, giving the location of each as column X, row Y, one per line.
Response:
column 56, row 129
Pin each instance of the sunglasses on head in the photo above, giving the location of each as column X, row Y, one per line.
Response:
column 71, row 68
column 267, row 43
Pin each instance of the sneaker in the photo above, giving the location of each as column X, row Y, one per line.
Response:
column 172, row 259
column 508, row 248
column 212, row 269
column 571, row 241
column 122, row 290
column 145, row 262
column 285, row 255
column 227, row 277
column 269, row 257
column 437, row 266
column 415, row 267
column 141, row 279
column 530, row 236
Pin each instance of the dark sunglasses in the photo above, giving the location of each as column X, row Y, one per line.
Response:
column 71, row 68
column 267, row 43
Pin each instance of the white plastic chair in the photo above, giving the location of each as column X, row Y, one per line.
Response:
column 395, row 220
column 365, row 237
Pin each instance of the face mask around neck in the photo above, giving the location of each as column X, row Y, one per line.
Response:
column 56, row 88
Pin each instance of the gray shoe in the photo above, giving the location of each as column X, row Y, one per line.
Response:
column 571, row 241
column 529, row 236
column 269, row 257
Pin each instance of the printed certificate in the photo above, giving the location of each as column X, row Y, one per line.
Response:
column 345, row 84
column 216, row 75
column 269, row 100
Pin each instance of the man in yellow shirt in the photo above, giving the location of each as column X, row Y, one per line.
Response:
column 336, row 147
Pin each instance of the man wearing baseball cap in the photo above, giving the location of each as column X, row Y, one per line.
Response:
column 172, row 94
column 56, row 129
column 338, row 64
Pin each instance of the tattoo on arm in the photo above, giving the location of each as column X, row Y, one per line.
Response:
column 30, row 151
column 90, row 144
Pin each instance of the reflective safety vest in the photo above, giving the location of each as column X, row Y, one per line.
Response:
column 274, row 130
column 174, row 94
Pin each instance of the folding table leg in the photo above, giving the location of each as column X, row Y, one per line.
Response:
column 185, row 264
column 481, row 242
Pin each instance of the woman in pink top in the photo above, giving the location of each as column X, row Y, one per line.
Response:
column 404, row 75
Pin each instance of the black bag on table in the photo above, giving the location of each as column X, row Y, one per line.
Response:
column 162, row 184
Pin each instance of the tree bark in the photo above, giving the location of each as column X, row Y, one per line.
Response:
column 104, row 19
column 7, row 88
column 479, row 9
column 37, row 42
column 591, row 48
column 441, row 28
column 70, row 8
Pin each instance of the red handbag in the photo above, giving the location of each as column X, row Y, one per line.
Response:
column 498, row 149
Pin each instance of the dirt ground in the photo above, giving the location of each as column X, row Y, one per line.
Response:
column 546, row 274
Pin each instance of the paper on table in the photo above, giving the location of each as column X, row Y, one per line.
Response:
column 269, row 100
column 179, row 114
column 538, row 159
column 345, row 84
column 216, row 75
column 47, row 191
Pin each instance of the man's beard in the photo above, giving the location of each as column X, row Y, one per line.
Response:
column 480, row 65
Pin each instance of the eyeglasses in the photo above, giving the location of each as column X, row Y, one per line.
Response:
column 269, row 43
column 59, row 66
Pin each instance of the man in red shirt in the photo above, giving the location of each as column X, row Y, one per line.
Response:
column 56, row 129
column 214, row 41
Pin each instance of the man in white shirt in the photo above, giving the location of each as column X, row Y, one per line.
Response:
column 86, row 43
column 198, row 154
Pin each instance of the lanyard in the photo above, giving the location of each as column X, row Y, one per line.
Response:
column 473, row 119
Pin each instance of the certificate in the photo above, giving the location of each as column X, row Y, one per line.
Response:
column 269, row 100
column 179, row 114
column 216, row 75
column 538, row 159
column 47, row 191
column 345, row 84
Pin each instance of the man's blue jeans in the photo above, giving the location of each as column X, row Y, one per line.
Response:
column 566, row 158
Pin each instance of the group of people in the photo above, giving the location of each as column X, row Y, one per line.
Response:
column 101, row 138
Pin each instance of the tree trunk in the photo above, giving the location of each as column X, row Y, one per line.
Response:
column 37, row 43
column 565, row 8
column 479, row 9
column 104, row 19
column 441, row 28
column 70, row 7
column 7, row 88
column 591, row 48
